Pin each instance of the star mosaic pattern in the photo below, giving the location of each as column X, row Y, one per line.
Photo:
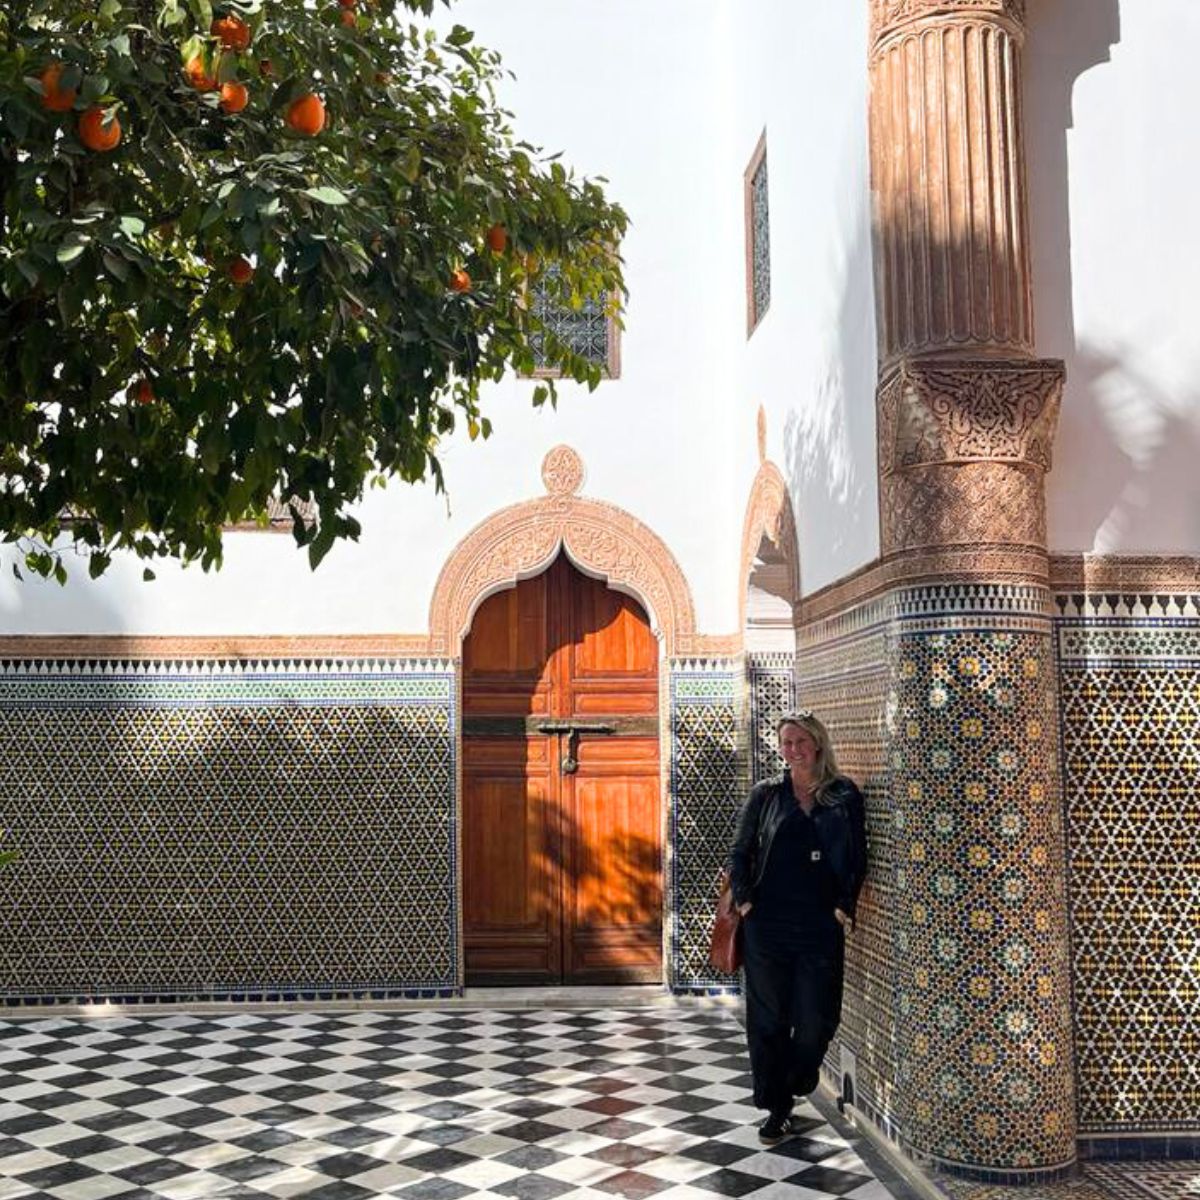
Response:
column 429, row 1105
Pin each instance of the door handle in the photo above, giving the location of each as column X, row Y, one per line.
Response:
column 572, row 728
column 569, row 763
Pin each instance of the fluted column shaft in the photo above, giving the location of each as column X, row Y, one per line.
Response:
column 949, row 181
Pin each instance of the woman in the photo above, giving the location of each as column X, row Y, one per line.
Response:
column 796, row 868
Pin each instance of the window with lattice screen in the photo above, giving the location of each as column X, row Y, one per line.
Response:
column 758, row 237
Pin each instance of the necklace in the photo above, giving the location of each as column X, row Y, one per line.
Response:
column 804, row 796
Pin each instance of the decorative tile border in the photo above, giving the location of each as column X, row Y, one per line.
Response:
column 1135, row 575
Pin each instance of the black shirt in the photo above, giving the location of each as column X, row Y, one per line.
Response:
column 798, row 891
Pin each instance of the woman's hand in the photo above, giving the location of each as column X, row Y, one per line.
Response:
column 844, row 919
column 743, row 909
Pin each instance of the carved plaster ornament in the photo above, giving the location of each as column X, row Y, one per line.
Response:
column 964, row 448
column 521, row 540
column 889, row 15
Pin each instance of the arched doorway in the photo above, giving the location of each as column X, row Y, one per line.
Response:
column 561, row 786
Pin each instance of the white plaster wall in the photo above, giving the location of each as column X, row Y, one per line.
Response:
column 667, row 102
column 811, row 362
column 1112, row 96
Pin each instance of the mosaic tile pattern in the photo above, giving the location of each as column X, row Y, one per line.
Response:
column 426, row 1105
column 772, row 690
column 984, row 1035
column 707, row 791
column 843, row 678
column 1130, row 711
column 263, row 830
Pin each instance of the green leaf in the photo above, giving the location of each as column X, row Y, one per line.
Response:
column 16, row 117
column 326, row 195
column 132, row 226
column 115, row 266
column 27, row 268
column 94, row 86
column 320, row 545
column 68, row 254
column 412, row 163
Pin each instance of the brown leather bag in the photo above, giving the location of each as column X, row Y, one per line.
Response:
column 725, row 945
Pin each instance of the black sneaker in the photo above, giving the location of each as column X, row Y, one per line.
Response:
column 775, row 1128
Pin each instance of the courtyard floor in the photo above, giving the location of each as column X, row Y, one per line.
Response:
column 422, row 1104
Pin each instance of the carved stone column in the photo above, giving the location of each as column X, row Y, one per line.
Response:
column 948, row 176
column 966, row 419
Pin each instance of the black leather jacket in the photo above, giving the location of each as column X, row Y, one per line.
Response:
column 840, row 825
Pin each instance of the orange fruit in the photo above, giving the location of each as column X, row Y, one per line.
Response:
column 199, row 75
column 497, row 239
column 348, row 18
column 460, row 281
column 240, row 271
column 95, row 134
column 54, row 98
column 347, row 3
column 143, row 392
column 232, row 32
column 306, row 115
column 234, row 96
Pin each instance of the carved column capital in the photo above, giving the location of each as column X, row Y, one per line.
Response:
column 963, row 449
column 961, row 411
column 891, row 16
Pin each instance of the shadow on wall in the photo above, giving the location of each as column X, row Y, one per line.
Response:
column 1141, row 441
column 819, row 436
column 1124, row 441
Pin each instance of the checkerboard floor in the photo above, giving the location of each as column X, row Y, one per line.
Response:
column 528, row 1105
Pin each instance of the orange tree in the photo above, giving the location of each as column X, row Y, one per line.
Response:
column 271, row 249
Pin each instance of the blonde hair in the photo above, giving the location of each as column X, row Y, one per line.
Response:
column 827, row 768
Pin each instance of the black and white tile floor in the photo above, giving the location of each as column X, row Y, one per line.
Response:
column 425, row 1105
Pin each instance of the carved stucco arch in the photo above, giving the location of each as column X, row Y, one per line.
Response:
column 523, row 539
column 769, row 514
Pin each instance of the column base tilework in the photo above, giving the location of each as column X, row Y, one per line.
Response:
column 985, row 1069
column 228, row 831
column 1129, row 680
column 707, row 789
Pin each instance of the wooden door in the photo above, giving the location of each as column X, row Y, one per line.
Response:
column 562, row 875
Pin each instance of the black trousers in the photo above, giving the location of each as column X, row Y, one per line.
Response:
column 793, row 1006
